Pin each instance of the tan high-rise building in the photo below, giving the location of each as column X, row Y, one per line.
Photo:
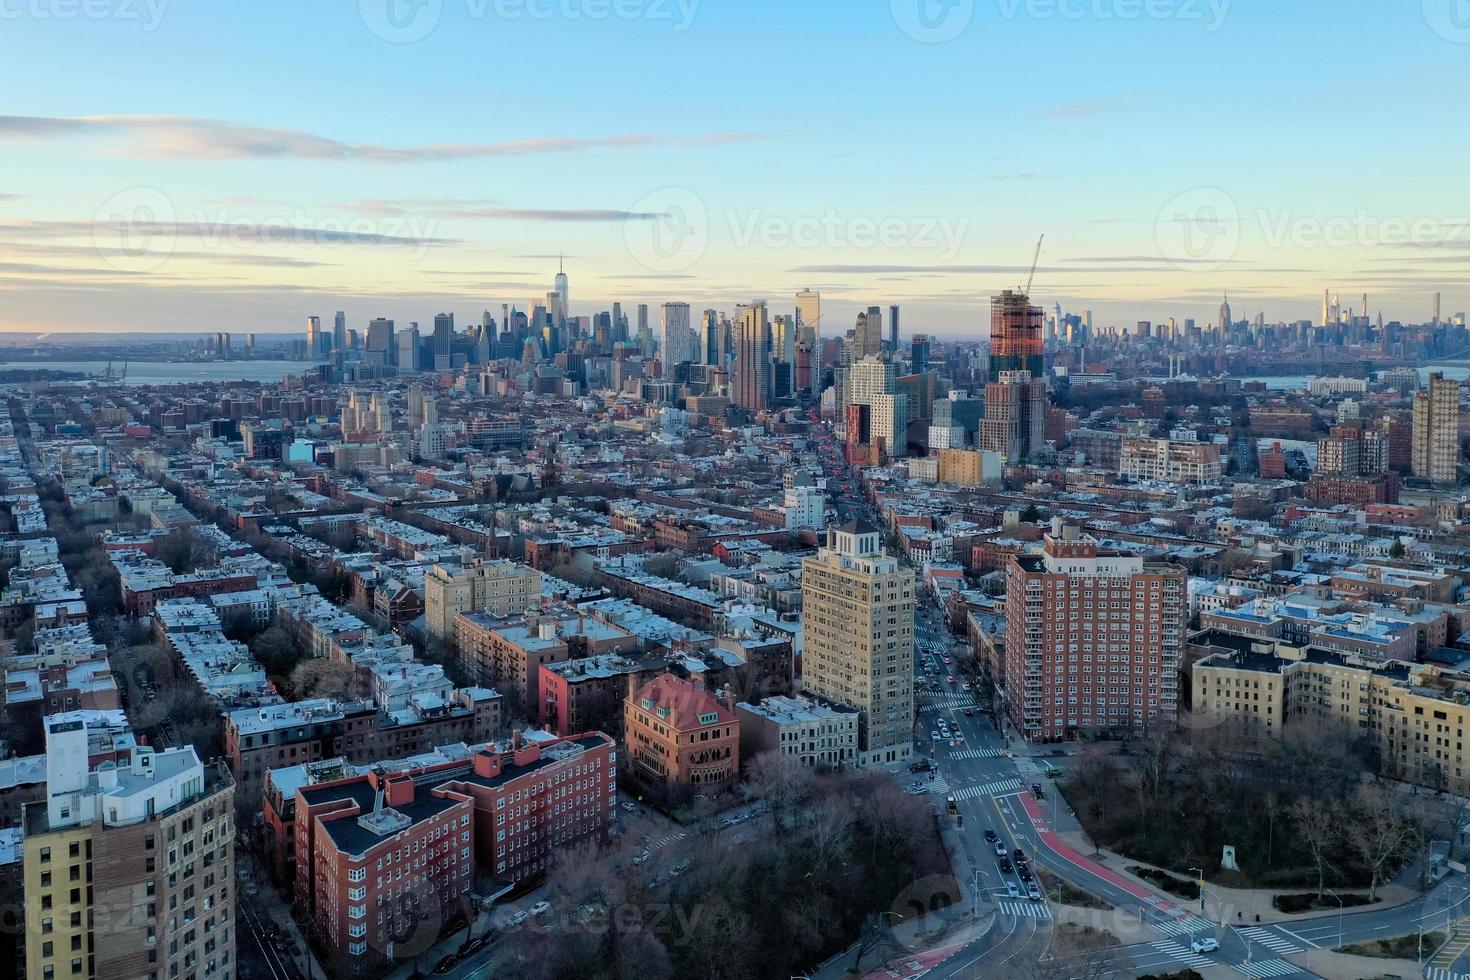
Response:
column 1094, row 639
column 129, row 865
column 1436, row 441
column 1014, row 424
column 751, row 385
column 858, row 638
column 497, row 588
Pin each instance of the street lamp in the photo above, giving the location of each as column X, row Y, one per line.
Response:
column 1200, row 884
column 1339, row 913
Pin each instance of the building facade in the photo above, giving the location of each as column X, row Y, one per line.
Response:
column 858, row 638
column 1094, row 639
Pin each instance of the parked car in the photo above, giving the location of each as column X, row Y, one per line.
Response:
column 541, row 907
column 445, row 965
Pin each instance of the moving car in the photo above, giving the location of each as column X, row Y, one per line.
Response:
column 1033, row 893
column 990, row 837
column 1012, row 888
column 969, row 712
column 541, row 907
column 1000, row 849
column 1005, row 866
column 1206, row 944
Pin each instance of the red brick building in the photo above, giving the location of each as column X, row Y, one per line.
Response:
column 384, row 856
column 1094, row 640
column 679, row 733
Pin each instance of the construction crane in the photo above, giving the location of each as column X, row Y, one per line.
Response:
column 1035, row 261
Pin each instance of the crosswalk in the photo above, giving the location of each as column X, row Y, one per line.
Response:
column 666, row 841
column 1182, row 953
column 1440, row 973
column 987, row 789
column 1184, row 925
column 1272, row 941
column 1026, row 910
column 1266, row 968
column 963, row 754
column 959, row 701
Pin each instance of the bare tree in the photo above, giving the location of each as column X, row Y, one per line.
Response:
column 1382, row 831
column 1317, row 823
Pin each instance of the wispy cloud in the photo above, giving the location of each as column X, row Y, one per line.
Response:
column 193, row 137
column 224, row 230
column 484, row 210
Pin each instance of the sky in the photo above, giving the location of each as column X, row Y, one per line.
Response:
column 187, row 165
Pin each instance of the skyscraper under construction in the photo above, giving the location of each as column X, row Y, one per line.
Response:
column 1016, row 336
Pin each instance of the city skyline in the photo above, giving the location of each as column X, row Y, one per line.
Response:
column 230, row 203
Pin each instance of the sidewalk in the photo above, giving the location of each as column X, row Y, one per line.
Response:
column 1252, row 904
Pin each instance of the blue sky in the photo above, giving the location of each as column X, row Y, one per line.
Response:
column 188, row 165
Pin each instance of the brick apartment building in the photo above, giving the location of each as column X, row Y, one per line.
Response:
column 1094, row 639
column 384, row 855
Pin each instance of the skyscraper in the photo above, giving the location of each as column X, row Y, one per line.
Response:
column 713, row 339
column 380, row 347
column 867, row 334
column 809, row 313
column 858, row 636
column 339, row 332
column 645, row 334
column 314, row 338
column 893, row 328
column 1068, row 670
column 675, row 337
column 752, row 375
column 1016, row 342
column 560, row 287
column 1014, row 423
column 1226, row 319
column 408, row 358
column 1436, row 447
column 443, row 341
